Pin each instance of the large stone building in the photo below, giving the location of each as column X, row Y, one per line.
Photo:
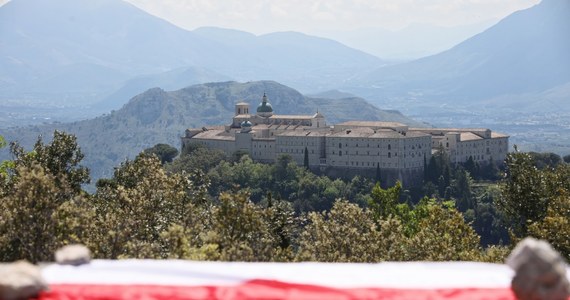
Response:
column 354, row 147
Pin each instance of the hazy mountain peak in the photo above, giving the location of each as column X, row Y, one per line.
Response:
column 523, row 53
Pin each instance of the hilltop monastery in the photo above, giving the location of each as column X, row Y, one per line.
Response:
column 353, row 147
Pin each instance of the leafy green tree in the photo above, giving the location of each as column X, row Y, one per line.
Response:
column 164, row 152
column 139, row 205
column 490, row 171
column 439, row 170
column 42, row 205
column 285, row 174
column 545, row 160
column 35, row 220
column 189, row 148
column 4, row 167
column 442, row 235
column 555, row 227
column 240, row 230
column 347, row 233
column 524, row 197
column 462, row 191
column 201, row 158
column 60, row 158
column 486, row 219
column 383, row 202
column 238, row 155
column 282, row 222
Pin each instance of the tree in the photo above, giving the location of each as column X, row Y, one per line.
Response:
column 441, row 234
column 240, row 230
column 555, row 227
column 4, row 165
column 189, row 148
column 306, row 159
column 487, row 220
column 462, row 190
column 490, row 171
column 471, row 167
column 347, row 233
column 42, row 205
column 32, row 222
column 201, row 158
column 377, row 177
column 142, row 204
column 545, row 160
column 164, row 152
column 60, row 158
column 524, row 197
column 383, row 202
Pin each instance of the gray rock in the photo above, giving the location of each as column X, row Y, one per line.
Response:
column 540, row 272
column 20, row 280
column 74, row 255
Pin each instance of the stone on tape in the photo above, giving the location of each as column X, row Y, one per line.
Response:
column 73, row 255
column 20, row 280
column 540, row 272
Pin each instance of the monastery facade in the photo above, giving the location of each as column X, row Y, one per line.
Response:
column 349, row 148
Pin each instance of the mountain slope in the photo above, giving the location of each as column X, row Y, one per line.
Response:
column 170, row 80
column 157, row 116
column 527, row 52
column 70, row 52
column 47, row 45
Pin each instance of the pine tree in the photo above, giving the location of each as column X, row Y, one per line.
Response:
column 378, row 179
column 306, row 160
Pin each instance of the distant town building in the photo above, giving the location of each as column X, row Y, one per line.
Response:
column 349, row 148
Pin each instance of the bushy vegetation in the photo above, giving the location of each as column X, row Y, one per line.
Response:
column 206, row 206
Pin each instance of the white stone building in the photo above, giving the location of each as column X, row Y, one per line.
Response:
column 354, row 147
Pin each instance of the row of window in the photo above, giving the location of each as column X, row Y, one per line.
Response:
column 302, row 151
column 264, row 146
column 475, row 157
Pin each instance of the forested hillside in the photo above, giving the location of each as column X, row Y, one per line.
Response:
column 205, row 206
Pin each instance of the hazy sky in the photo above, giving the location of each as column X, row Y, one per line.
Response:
column 312, row 16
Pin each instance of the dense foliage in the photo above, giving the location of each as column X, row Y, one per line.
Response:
column 206, row 206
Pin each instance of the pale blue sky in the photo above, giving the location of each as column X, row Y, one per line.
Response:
column 313, row 16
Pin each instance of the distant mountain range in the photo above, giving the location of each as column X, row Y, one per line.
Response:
column 525, row 58
column 79, row 52
column 412, row 42
column 158, row 116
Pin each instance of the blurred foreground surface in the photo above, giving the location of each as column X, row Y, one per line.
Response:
column 174, row 279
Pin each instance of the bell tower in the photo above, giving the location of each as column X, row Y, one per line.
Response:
column 242, row 108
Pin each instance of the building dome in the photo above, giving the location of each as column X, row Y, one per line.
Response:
column 245, row 126
column 265, row 109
